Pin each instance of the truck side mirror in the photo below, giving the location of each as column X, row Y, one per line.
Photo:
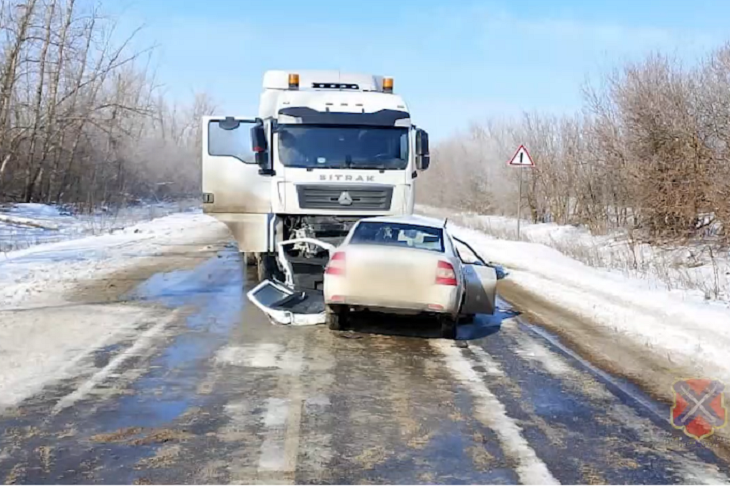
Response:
column 258, row 139
column 260, row 149
column 423, row 156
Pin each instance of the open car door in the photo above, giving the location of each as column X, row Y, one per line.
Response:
column 298, row 300
column 480, row 280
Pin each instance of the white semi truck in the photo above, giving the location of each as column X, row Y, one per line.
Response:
column 326, row 149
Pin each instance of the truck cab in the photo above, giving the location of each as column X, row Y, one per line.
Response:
column 326, row 149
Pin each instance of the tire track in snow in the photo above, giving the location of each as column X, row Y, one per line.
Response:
column 490, row 411
column 145, row 341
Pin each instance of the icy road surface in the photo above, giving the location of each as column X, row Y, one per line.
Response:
column 136, row 358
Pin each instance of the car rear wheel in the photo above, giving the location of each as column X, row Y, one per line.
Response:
column 448, row 327
column 336, row 319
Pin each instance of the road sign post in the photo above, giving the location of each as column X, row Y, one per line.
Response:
column 520, row 159
column 519, row 206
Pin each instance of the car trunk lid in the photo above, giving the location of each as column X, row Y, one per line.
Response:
column 392, row 273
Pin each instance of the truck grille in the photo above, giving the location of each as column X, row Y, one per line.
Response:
column 323, row 196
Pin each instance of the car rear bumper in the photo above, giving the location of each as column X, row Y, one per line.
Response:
column 446, row 303
column 392, row 306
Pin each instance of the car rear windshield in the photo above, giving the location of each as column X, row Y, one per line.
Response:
column 398, row 234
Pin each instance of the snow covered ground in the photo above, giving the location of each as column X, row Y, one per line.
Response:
column 25, row 225
column 59, row 302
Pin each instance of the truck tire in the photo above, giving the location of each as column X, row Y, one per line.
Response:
column 336, row 319
column 268, row 267
column 250, row 259
column 448, row 327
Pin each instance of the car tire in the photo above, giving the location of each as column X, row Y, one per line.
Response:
column 336, row 319
column 448, row 327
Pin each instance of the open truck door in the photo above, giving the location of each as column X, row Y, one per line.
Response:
column 299, row 299
column 236, row 185
column 480, row 280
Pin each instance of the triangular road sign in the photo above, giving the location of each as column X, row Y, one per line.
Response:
column 522, row 158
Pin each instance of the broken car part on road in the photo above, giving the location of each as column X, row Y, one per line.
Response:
column 298, row 301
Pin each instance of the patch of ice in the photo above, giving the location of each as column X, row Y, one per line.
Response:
column 261, row 355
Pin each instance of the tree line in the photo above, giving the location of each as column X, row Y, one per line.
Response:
column 649, row 152
column 82, row 118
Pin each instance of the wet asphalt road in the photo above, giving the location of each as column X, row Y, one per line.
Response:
column 214, row 393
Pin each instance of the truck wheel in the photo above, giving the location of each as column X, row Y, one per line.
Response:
column 448, row 327
column 268, row 267
column 250, row 259
column 336, row 319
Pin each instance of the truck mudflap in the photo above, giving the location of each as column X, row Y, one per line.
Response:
column 298, row 301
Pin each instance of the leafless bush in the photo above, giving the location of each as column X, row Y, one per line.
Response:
column 81, row 118
column 649, row 153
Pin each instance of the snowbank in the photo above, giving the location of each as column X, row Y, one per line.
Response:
column 41, row 274
column 654, row 318
column 25, row 225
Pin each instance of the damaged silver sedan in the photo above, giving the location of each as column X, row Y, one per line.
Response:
column 395, row 265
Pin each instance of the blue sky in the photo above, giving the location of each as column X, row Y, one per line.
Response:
column 454, row 62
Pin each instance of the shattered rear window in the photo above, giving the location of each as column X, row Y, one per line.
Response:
column 398, row 234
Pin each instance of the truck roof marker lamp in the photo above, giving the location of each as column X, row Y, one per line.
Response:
column 293, row 81
column 387, row 85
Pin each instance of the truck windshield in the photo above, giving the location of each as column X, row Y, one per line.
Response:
column 343, row 147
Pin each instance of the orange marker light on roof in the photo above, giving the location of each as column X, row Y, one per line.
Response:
column 293, row 81
column 388, row 85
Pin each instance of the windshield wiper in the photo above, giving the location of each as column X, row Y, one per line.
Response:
column 347, row 164
column 377, row 167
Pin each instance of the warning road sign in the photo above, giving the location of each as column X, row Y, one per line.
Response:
column 522, row 158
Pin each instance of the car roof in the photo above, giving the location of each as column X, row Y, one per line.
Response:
column 413, row 219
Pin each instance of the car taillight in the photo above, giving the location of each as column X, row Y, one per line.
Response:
column 336, row 265
column 445, row 274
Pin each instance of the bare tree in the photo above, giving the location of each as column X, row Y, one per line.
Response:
column 82, row 118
